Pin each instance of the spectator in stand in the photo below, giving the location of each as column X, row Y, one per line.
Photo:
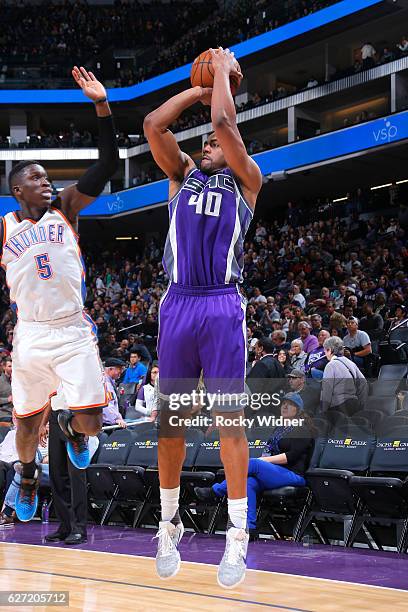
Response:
column 298, row 297
column 356, row 343
column 136, row 371
column 387, row 55
column 316, row 323
column 312, row 82
column 371, row 323
column 270, row 314
column 344, row 387
column 400, row 318
column 147, row 397
column 257, row 298
column 403, row 45
column 310, row 394
column 6, row 398
column 316, row 360
column 265, row 369
column 297, row 354
column 310, row 341
column 368, row 54
column 111, row 414
column 284, row 359
column 278, row 338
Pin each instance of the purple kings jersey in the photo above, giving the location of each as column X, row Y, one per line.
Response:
column 208, row 222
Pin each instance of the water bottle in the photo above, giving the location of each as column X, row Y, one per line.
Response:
column 306, row 540
column 45, row 511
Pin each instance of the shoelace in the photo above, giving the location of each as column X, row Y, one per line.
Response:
column 166, row 545
column 235, row 550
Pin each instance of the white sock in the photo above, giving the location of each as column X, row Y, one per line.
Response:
column 237, row 512
column 169, row 499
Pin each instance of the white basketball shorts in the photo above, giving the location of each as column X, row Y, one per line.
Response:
column 56, row 355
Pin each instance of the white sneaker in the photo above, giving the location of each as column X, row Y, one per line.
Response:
column 231, row 571
column 168, row 556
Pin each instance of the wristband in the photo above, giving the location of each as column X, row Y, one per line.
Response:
column 100, row 100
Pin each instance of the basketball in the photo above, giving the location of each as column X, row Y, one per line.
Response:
column 202, row 73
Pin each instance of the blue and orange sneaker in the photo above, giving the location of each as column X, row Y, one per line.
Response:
column 77, row 444
column 27, row 497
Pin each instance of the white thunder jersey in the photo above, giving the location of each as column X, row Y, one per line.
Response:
column 44, row 266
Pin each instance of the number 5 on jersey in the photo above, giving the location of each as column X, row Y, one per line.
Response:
column 44, row 269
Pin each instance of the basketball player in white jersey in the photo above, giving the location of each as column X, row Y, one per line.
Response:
column 54, row 341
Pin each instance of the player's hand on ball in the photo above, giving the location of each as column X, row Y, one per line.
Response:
column 205, row 95
column 87, row 81
column 224, row 59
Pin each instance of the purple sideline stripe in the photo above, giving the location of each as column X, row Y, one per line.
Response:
column 360, row 566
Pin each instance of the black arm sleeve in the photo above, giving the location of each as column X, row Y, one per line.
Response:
column 94, row 179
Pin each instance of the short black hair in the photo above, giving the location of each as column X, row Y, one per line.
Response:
column 266, row 344
column 17, row 169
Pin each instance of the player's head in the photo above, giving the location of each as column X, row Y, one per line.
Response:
column 213, row 157
column 29, row 183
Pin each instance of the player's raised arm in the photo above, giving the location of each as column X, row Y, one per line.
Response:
column 76, row 197
column 224, row 121
column 165, row 150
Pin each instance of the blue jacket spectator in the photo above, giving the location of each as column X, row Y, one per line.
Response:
column 136, row 371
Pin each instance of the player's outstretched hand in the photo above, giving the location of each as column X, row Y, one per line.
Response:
column 87, row 81
column 224, row 59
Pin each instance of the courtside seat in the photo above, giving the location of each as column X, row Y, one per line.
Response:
column 257, row 441
column 384, row 494
column 203, row 474
column 333, row 499
column 382, row 388
column 287, row 505
column 373, row 417
column 102, row 437
column 400, row 334
column 395, row 371
column 127, row 393
column 102, row 489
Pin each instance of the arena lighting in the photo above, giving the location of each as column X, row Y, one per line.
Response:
column 388, row 185
column 381, row 186
column 123, row 238
column 340, row 199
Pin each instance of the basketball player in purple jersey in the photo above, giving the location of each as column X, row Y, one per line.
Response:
column 54, row 341
column 202, row 316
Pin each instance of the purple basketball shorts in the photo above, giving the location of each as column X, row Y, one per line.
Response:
column 202, row 328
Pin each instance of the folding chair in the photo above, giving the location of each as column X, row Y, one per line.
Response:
column 102, row 489
column 333, row 500
column 384, row 493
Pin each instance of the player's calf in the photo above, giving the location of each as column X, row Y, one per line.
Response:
column 77, row 442
column 27, row 497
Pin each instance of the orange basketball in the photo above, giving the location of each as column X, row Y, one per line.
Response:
column 202, row 73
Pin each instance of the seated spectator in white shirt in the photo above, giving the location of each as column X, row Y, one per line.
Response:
column 357, row 343
column 299, row 297
column 147, row 397
column 257, row 297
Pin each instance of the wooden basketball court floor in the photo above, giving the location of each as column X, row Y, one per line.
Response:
column 107, row 581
